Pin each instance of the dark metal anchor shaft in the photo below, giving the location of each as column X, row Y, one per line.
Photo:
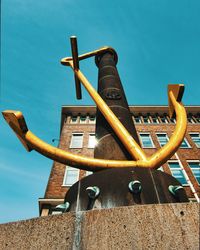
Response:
column 112, row 92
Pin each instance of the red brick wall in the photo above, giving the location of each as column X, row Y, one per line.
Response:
column 56, row 190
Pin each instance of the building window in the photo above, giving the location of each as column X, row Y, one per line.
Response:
column 83, row 119
column 76, row 140
column 92, row 119
column 195, row 167
column 87, row 173
column 161, row 169
column 177, row 172
column 146, row 119
column 92, row 141
column 190, row 120
column 154, row 119
column 71, row 176
column 146, row 140
column 74, row 119
column 163, row 119
column 172, row 120
column 192, row 200
column 196, row 138
column 137, row 119
column 162, row 138
column 185, row 144
column 54, row 212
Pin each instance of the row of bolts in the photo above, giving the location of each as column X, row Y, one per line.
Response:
column 135, row 187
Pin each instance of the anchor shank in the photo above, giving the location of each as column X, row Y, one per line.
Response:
column 111, row 91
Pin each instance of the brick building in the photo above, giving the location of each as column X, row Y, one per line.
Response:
column 154, row 128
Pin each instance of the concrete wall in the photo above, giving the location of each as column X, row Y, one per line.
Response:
column 168, row 226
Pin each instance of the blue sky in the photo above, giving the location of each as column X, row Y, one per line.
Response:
column 157, row 43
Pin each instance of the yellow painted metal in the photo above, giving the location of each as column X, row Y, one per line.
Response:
column 30, row 141
column 66, row 60
column 178, row 90
column 76, row 65
column 131, row 145
column 169, row 149
column 17, row 122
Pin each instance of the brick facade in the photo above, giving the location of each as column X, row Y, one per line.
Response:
column 55, row 190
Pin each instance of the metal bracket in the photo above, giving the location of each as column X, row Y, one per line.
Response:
column 135, row 187
column 93, row 192
column 174, row 189
column 63, row 207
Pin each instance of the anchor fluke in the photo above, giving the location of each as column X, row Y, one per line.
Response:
column 177, row 90
column 16, row 121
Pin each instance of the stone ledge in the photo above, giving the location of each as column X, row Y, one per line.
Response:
column 166, row 226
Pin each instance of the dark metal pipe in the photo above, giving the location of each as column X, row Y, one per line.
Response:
column 111, row 90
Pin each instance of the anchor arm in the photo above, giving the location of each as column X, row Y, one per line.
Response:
column 131, row 145
column 127, row 140
column 175, row 93
column 17, row 122
column 30, row 141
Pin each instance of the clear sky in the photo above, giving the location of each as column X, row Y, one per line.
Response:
column 158, row 42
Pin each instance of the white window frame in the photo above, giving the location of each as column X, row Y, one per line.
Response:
column 178, row 168
column 54, row 212
column 87, row 173
column 192, row 200
column 90, row 121
column 147, row 133
column 160, row 133
column 67, row 169
column 172, row 119
column 85, row 121
column 138, row 118
column 188, row 145
column 191, row 120
column 154, row 117
column 193, row 133
column 161, row 169
column 91, row 134
column 194, row 161
column 71, row 143
column 73, row 122
column 148, row 120
column 166, row 121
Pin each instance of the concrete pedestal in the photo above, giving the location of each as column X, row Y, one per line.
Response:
column 166, row 226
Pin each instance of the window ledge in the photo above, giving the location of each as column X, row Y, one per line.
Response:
column 76, row 148
column 149, row 148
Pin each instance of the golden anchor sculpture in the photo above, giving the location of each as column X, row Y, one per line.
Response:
column 31, row 142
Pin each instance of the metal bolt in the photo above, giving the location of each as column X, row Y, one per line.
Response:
column 63, row 207
column 174, row 189
column 93, row 192
column 135, row 187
